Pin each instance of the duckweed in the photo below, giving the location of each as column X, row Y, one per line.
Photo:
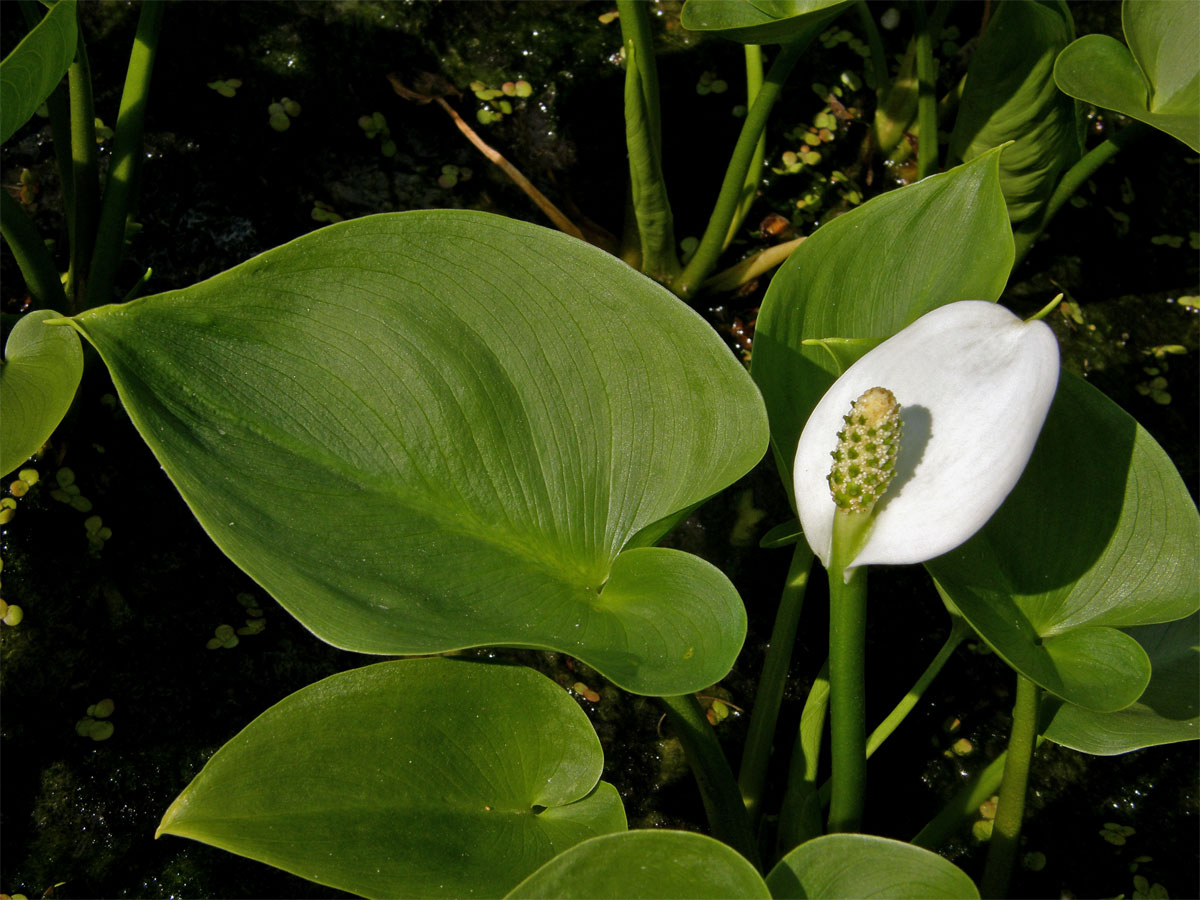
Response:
column 226, row 88
column 13, row 614
column 103, row 709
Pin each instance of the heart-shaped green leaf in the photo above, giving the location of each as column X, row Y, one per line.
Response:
column 1168, row 711
column 862, row 865
column 31, row 72
column 1099, row 533
column 762, row 21
column 1010, row 95
column 1155, row 80
column 644, row 865
column 869, row 273
column 38, row 377
column 433, row 430
column 412, row 778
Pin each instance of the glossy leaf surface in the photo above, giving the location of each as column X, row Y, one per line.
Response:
column 868, row 274
column 1099, row 534
column 1167, row 712
column 412, row 778
column 862, row 865
column 41, row 370
column 1156, row 79
column 433, row 430
column 645, row 865
column 31, row 72
column 761, row 21
column 1010, row 95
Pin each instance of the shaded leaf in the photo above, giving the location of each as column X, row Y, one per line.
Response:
column 31, row 72
column 1099, row 534
column 433, row 430
column 421, row 777
column 38, row 377
column 862, row 865
column 641, row 865
column 1010, row 95
column 762, row 21
column 1168, row 710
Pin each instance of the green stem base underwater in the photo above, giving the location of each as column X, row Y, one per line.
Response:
column 1006, row 830
column 723, row 806
column 763, row 717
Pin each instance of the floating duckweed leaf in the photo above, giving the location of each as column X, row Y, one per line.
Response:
column 359, row 765
column 490, row 411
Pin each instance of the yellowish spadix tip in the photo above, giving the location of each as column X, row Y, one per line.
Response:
column 865, row 459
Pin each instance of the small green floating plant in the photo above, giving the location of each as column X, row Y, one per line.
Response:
column 95, row 724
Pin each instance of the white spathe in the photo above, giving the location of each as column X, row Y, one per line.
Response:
column 974, row 383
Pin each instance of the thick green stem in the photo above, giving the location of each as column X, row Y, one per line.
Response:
column 959, row 631
column 754, row 79
column 1074, row 178
column 727, row 817
column 847, row 681
column 1006, row 830
column 33, row 259
column 752, row 776
column 85, row 176
column 879, row 64
column 705, row 258
column 927, row 158
column 127, row 152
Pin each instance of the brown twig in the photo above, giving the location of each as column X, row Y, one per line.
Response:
column 553, row 212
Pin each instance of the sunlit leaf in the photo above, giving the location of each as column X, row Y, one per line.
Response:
column 433, row 430
column 645, row 865
column 413, row 778
column 38, row 377
column 762, row 21
column 31, row 72
column 862, row 865
column 1156, row 79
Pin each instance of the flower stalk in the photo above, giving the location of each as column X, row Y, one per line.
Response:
column 864, row 463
